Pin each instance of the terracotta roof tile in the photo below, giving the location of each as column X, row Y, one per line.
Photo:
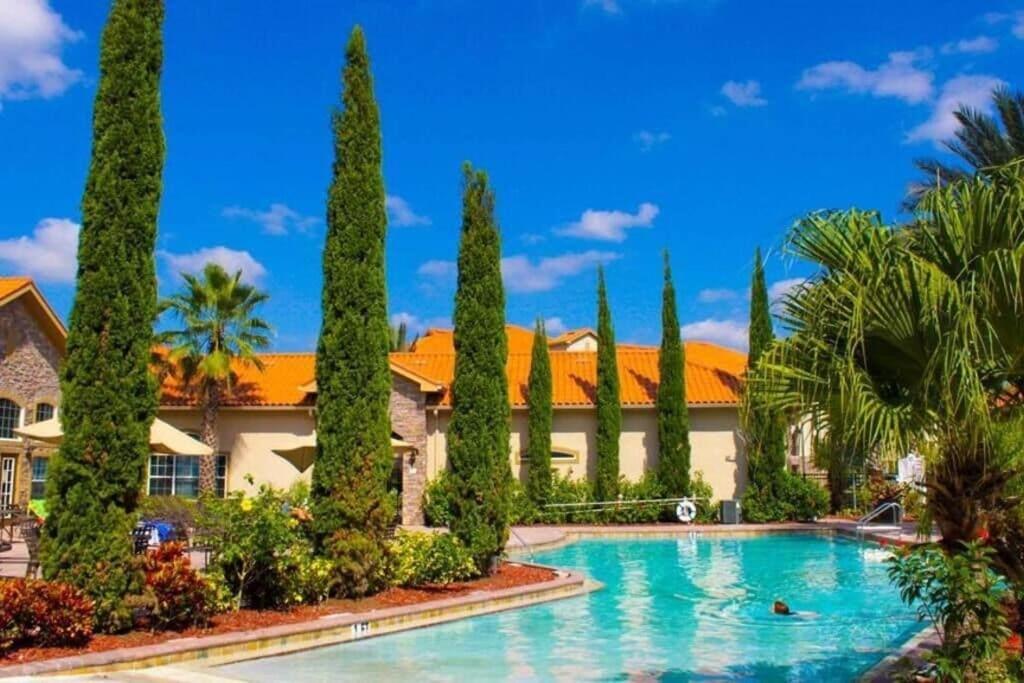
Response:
column 713, row 376
column 10, row 285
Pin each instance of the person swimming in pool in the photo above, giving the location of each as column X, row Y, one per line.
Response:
column 781, row 608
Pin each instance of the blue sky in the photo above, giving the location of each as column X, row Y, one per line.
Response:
column 611, row 129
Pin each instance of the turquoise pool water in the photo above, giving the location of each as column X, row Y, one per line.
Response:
column 688, row 609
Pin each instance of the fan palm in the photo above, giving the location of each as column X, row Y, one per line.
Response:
column 219, row 330
column 980, row 142
column 913, row 334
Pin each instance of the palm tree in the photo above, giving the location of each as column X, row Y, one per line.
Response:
column 912, row 336
column 980, row 142
column 219, row 329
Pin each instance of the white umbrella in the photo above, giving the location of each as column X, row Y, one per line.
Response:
column 163, row 438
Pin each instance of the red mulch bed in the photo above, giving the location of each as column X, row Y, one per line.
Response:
column 509, row 575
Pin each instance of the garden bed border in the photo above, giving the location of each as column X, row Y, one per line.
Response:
column 332, row 629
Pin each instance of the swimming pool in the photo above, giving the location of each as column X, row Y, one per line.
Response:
column 672, row 610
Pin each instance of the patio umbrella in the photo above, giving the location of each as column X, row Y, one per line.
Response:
column 163, row 438
column 301, row 451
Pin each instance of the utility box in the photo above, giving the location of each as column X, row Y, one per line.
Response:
column 729, row 512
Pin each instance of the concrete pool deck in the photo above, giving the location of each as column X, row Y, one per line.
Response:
column 544, row 537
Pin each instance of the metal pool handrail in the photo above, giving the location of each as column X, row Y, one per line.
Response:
column 878, row 511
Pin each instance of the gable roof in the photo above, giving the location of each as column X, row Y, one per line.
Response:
column 17, row 287
column 569, row 336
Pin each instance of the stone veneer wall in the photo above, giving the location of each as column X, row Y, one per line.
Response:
column 409, row 421
column 29, row 363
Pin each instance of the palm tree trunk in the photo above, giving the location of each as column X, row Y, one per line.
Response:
column 209, row 436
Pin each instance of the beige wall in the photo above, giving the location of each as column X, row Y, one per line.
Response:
column 716, row 449
column 255, row 458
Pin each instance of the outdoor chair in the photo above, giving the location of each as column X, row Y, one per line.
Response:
column 30, row 535
column 10, row 517
column 141, row 536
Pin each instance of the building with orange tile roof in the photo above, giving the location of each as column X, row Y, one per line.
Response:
column 266, row 407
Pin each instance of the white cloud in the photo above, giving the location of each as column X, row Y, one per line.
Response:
column 610, row 226
column 898, row 77
column 418, row 325
column 648, row 140
column 229, row 259
column 32, row 36
column 50, row 254
column 969, row 91
column 401, row 214
column 437, row 268
column 969, row 46
column 714, row 296
column 783, row 287
column 522, row 275
column 531, row 238
column 279, row 219
column 606, row 6
column 732, row 333
column 1017, row 19
column 554, row 326
column 745, row 94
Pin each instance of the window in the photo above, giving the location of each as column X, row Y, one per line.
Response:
column 564, row 455
column 44, row 411
column 178, row 475
column 220, row 487
column 10, row 418
column 558, row 455
column 39, row 466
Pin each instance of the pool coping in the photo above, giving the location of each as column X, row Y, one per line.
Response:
column 224, row 648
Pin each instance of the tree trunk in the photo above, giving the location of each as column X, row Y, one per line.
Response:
column 208, row 434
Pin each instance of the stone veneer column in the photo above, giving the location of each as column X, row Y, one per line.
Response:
column 409, row 421
column 28, row 375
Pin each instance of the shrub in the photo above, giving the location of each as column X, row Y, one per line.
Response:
column 802, row 499
column 793, row 499
column 707, row 507
column 437, row 500
column 181, row 596
column 260, row 550
column 418, row 558
column 44, row 613
column 963, row 598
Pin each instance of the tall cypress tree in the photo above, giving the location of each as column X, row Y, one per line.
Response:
column 673, row 418
column 609, row 409
column 538, row 448
column 766, row 428
column 108, row 394
column 352, row 509
column 478, row 435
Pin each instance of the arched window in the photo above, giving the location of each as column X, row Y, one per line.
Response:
column 44, row 411
column 10, row 417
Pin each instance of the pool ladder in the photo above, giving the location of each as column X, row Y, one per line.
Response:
column 865, row 522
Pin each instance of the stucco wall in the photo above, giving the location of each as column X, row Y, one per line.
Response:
column 716, row 449
column 264, row 465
